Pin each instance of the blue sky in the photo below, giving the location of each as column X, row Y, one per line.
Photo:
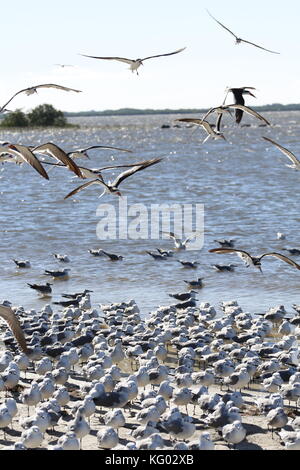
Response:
column 36, row 35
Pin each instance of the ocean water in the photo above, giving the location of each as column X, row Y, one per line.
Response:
column 247, row 191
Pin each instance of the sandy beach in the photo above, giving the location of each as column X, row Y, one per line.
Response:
column 113, row 325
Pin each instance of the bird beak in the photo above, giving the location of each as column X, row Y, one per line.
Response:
column 251, row 94
column 259, row 267
column 118, row 194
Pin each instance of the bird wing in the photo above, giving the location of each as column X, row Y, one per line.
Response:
column 26, row 154
column 83, row 186
column 98, row 147
column 53, row 85
column 289, row 154
column 122, row 176
column 12, row 320
column 244, row 255
column 163, row 55
column 199, row 122
column 248, row 110
column 121, row 59
column 282, row 258
column 56, row 152
column 221, row 24
column 260, row 47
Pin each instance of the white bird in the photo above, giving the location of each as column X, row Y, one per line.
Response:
column 239, row 40
column 62, row 258
column 69, row 441
column 276, row 418
column 205, row 443
column 295, row 162
column 134, row 63
column 291, row 439
column 32, row 437
column 79, row 426
column 234, row 433
column 33, row 89
column 115, row 419
column 107, row 438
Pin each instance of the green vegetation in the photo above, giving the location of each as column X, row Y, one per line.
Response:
column 44, row 115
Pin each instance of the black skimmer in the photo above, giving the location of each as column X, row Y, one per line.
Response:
column 238, row 94
column 239, row 40
column 295, row 162
column 80, row 153
column 52, row 150
column 113, row 188
column 22, row 263
column 292, row 251
column 188, row 264
column 254, row 260
column 225, row 243
column 112, row 256
column 61, row 274
column 239, row 111
column 157, row 256
column 134, row 63
column 206, row 126
column 43, row 289
column 77, row 294
column 184, row 295
column 224, row 267
column 96, row 252
column 20, row 154
column 33, row 89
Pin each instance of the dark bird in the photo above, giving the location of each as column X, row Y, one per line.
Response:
column 157, row 256
column 184, row 295
column 33, row 89
column 195, row 284
column 13, row 322
column 113, row 188
column 224, row 267
column 225, row 243
column 134, row 63
column 60, row 274
column 68, row 303
column 77, row 294
column 239, row 40
column 292, row 251
column 79, row 153
column 239, row 110
column 112, row 256
column 22, row 263
column 168, row 253
column 43, row 289
column 238, row 95
column 21, row 154
column 188, row 264
column 254, row 260
column 52, row 150
column 295, row 162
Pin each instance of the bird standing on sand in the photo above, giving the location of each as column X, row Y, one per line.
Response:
column 134, row 63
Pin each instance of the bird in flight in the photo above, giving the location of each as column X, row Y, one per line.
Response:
column 239, row 40
column 254, row 260
column 113, row 188
column 290, row 155
column 33, row 89
column 239, row 110
column 238, row 94
column 134, row 63
column 19, row 154
column 80, row 153
column 10, row 317
column 206, row 126
column 59, row 154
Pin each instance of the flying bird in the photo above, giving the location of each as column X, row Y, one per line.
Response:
column 80, row 153
column 206, row 126
column 295, row 162
column 20, row 154
column 134, row 63
column 239, row 110
column 113, row 188
column 239, row 40
column 13, row 322
column 254, row 260
column 59, row 154
column 33, row 89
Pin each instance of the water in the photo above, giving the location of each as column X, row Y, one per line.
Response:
column 247, row 191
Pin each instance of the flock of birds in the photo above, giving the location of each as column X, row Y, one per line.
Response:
column 154, row 383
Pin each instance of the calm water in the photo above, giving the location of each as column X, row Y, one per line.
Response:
column 247, row 191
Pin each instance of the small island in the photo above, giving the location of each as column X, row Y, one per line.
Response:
column 44, row 115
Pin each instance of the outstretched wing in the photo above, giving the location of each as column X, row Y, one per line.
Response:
column 12, row 320
column 287, row 152
column 163, row 55
column 59, row 154
column 244, row 255
column 104, row 147
column 221, row 24
column 282, row 258
column 260, row 47
column 121, row 59
column 83, row 186
column 250, row 111
column 30, row 158
column 134, row 169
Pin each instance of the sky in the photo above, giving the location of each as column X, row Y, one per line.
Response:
column 38, row 35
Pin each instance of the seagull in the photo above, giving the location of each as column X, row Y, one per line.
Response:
column 295, row 162
column 43, row 289
column 239, row 40
column 179, row 244
column 62, row 258
column 59, row 154
column 21, row 154
column 80, row 153
column 113, row 188
column 61, row 274
column 134, row 63
column 254, row 260
column 13, row 322
column 33, row 89
column 195, row 284
column 206, row 126
column 22, row 263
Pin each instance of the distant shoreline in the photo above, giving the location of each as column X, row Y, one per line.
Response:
column 134, row 111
